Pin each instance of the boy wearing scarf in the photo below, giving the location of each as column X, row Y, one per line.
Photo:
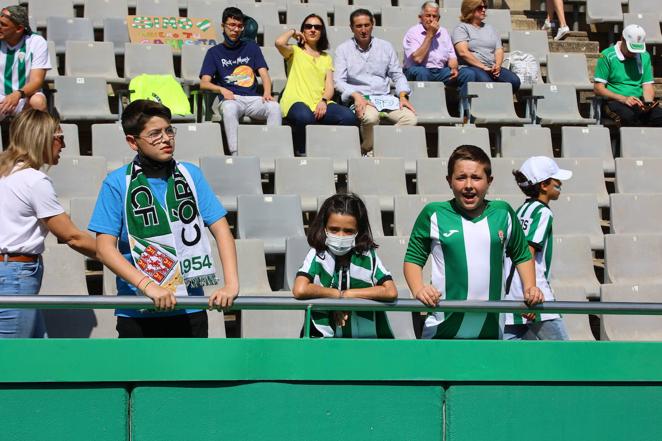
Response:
column 149, row 219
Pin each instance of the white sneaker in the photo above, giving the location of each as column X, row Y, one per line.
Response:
column 561, row 33
column 547, row 25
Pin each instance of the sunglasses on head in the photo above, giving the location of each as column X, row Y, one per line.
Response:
column 309, row 26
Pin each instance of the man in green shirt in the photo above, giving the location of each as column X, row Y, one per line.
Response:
column 624, row 76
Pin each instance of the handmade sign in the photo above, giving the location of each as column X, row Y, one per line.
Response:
column 173, row 31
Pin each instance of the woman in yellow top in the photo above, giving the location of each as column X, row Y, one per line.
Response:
column 307, row 96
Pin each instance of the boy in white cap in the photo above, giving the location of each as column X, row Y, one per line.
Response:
column 624, row 76
column 539, row 178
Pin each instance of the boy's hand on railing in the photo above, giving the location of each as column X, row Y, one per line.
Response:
column 222, row 298
column 428, row 295
column 533, row 296
column 163, row 299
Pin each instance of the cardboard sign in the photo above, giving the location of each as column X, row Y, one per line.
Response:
column 173, row 31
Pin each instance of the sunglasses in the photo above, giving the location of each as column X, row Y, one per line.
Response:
column 481, row 8
column 309, row 26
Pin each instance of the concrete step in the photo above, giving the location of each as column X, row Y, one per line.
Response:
column 586, row 47
column 524, row 24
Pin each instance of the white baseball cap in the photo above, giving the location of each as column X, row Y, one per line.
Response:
column 635, row 38
column 540, row 168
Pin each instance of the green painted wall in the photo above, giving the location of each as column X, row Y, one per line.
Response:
column 70, row 413
column 286, row 411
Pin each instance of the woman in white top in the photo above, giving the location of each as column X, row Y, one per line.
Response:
column 29, row 209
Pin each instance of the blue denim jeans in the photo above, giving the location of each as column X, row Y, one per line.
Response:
column 545, row 330
column 420, row 73
column 19, row 278
column 300, row 115
column 505, row 76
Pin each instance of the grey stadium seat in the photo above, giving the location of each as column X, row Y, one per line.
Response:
column 97, row 10
column 270, row 218
column 392, row 34
column 504, row 181
column 578, row 215
column 331, row 7
column 340, row 33
column 645, row 6
column 116, row 31
column 649, row 21
column 265, row 142
column 452, row 3
column 80, row 211
column 263, row 13
column 161, row 8
column 77, row 176
column 192, row 58
column 572, row 265
column 276, row 65
column 273, row 31
column 604, row 11
column 296, row 12
column 530, row 42
column 196, row 140
column 638, row 175
column 72, row 145
column 91, row 59
column 588, row 142
column 568, row 70
column 64, row 271
column 631, row 327
column 501, row 21
column 399, row 16
column 641, row 142
column 108, row 141
column 635, row 213
column 310, row 178
column 148, row 59
column 63, row 29
column 450, row 138
column 431, row 176
column 407, row 208
column 339, row 143
column 449, row 18
column 492, row 103
column 41, row 10
column 53, row 71
column 587, row 177
column 296, row 249
column 211, row 9
column 523, row 142
column 383, row 177
column 558, row 105
column 231, row 176
column 514, row 200
column 82, row 99
column 401, row 142
column 577, row 325
column 429, row 100
column 374, row 212
column 633, row 258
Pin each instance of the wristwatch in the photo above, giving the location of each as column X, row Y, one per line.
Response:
column 325, row 100
column 22, row 92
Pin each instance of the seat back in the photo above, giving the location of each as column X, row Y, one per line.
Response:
column 523, row 142
column 588, row 142
column 91, row 59
column 568, row 70
column 296, row 249
column 604, row 11
column 641, row 142
column 108, row 141
column 493, row 102
column 230, row 177
column 450, row 138
column 384, row 177
column 41, row 10
column 161, row 8
column 115, row 30
column 310, row 178
column 271, row 218
column 431, row 177
column 192, row 57
column 627, row 213
column 587, row 177
column 629, row 327
column 530, row 42
column 399, row 16
column 638, row 175
column 148, row 59
column 500, row 20
column 339, row 143
column 406, row 210
column 578, row 215
column 77, row 176
column 97, row 10
column 504, row 181
column 196, row 140
column 71, row 140
column 572, row 264
column 63, row 29
column 429, row 100
column 265, row 142
column 400, row 142
column 558, row 102
column 633, row 258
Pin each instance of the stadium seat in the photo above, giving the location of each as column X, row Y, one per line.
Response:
column 340, row 33
column 641, row 142
column 270, row 218
column 41, row 10
column 633, row 258
column 64, row 271
column 530, row 42
column 53, row 71
column 192, row 58
column 578, row 215
column 196, row 140
column 383, row 177
column 565, row 69
column 630, row 327
column 407, row 208
column 587, row 177
column 91, row 59
column 263, row 13
column 80, row 211
column 649, row 21
column 230, row 177
column 627, row 213
column 161, row 8
column 558, row 105
column 148, row 59
column 572, row 265
column 80, row 98
column 72, row 145
column 504, row 181
column 330, row 6
column 644, row 6
column 409, row 3
column 108, row 141
column 449, row 18
column 296, row 249
column 339, row 143
column 265, row 142
column 492, row 103
column 211, row 9
column 375, row 5
column 399, row 16
column 401, row 142
column 501, row 21
column 431, row 177
column 115, row 30
column 273, row 31
column 296, row 12
column 604, row 11
column 523, row 142
column 393, row 34
column 63, row 29
column 588, row 142
column 97, row 10
column 276, row 65
column 310, row 178
column 109, row 282
column 577, row 325
column 374, row 213
column 429, row 100
column 77, row 176
column 452, row 3
column 638, row 175
column 450, row 138
column 514, row 200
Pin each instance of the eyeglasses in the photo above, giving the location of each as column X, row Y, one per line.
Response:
column 309, row 26
column 481, row 8
column 156, row 136
column 234, row 25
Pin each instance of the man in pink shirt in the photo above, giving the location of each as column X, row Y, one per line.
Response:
column 429, row 52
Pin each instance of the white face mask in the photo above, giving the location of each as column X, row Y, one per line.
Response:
column 340, row 245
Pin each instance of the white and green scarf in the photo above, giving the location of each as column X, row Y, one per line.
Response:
column 168, row 244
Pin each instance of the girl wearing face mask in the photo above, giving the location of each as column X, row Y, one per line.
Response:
column 342, row 263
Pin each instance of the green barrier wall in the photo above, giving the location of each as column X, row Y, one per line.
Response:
column 329, row 390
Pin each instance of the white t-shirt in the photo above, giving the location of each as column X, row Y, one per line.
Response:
column 25, row 197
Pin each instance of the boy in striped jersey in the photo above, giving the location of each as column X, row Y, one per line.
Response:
column 23, row 60
column 539, row 178
column 468, row 238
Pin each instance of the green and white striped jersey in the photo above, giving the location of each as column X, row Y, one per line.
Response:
column 537, row 220
column 467, row 262
column 17, row 61
column 364, row 271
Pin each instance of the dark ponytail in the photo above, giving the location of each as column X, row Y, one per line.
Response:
column 530, row 189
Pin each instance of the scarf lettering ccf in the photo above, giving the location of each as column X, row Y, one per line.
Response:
column 168, row 243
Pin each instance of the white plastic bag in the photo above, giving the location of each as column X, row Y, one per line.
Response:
column 525, row 66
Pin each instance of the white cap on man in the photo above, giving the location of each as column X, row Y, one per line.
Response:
column 540, row 168
column 635, row 38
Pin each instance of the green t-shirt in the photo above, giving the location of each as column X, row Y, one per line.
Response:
column 467, row 262
column 623, row 76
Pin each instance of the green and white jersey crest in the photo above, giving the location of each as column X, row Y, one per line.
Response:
column 365, row 270
column 536, row 219
column 467, row 262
